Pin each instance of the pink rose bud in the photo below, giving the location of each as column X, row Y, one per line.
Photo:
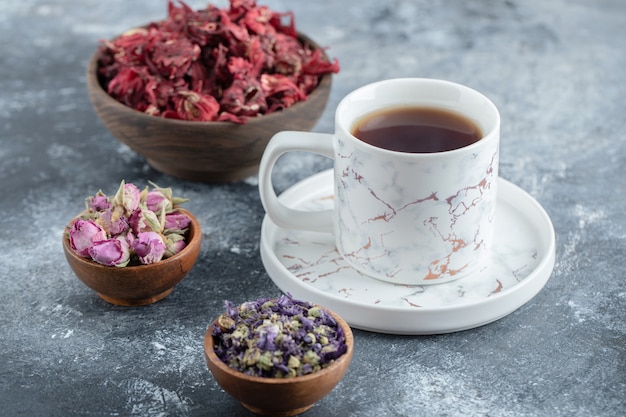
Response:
column 130, row 238
column 157, row 201
column 83, row 234
column 168, row 194
column 113, row 222
column 174, row 243
column 149, row 247
column 99, row 202
column 131, row 197
column 128, row 196
column 111, row 252
column 176, row 221
column 142, row 220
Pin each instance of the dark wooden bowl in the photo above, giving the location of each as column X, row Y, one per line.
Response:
column 279, row 396
column 141, row 284
column 211, row 152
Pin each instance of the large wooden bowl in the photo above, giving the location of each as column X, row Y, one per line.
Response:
column 140, row 284
column 202, row 151
column 281, row 397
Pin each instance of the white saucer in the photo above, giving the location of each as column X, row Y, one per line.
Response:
column 307, row 265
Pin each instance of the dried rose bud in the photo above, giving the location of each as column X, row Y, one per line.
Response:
column 98, row 202
column 176, row 221
column 111, row 252
column 83, row 234
column 157, row 201
column 128, row 196
column 144, row 220
column 154, row 199
column 113, row 221
column 149, row 247
column 174, row 243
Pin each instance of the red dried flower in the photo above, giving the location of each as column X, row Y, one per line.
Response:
column 213, row 64
column 194, row 106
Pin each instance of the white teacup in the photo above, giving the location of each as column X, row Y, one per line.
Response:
column 405, row 218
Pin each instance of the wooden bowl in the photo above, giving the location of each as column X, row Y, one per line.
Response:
column 141, row 284
column 281, row 397
column 211, row 152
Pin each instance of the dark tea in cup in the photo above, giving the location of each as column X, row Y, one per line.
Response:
column 416, row 129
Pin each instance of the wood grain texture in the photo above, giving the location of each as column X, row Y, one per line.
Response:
column 212, row 152
column 141, row 284
column 279, row 397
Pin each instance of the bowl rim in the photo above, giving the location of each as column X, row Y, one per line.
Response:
column 93, row 83
column 196, row 238
column 347, row 356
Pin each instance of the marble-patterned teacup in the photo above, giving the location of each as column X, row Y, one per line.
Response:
column 410, row 218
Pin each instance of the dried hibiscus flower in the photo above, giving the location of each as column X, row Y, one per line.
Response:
column 277, row 338
column 213, row 64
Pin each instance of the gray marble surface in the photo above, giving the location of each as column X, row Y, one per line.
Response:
column 557, row 72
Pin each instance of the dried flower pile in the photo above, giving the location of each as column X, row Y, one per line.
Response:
column 132, row 227
column 277, row 338
column 213, row 64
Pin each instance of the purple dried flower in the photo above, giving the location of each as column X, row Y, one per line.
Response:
column 277, row 338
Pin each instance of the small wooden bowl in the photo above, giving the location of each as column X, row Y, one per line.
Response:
column 137, row 285
column 212, row 152
column 282, row 397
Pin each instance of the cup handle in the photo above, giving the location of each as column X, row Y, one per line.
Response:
column 281, row 215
